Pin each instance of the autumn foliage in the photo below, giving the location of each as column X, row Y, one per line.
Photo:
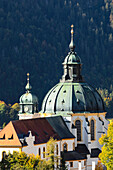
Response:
column 106, row 155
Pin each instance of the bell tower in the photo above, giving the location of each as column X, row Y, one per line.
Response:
column 28, row 103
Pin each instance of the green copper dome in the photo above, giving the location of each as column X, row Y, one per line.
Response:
column 72, row 94
column 28, row 98
column 72, row 58
column 72, row 98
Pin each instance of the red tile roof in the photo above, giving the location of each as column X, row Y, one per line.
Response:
column 40, row 128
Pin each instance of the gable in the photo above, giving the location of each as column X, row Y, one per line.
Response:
column 8, row 137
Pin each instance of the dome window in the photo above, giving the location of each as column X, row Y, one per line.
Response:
column 64, row 91
column 49, row 101
column 77, row 91
column 54, row 91
column 63, row 101
column 78, row 101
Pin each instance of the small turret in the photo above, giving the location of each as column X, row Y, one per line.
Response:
column 28, row 102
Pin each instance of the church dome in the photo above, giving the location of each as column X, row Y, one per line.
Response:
column 28, row 97
column 72, row 98
column 72, row 58
column 72, row 94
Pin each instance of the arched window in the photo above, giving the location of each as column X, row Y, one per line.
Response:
column 57, row 149
column 65, row 147
column 3, row 154
column 73, row 145
column 92, row 129
column 78, row 126
column 43, row 152
column 39, row 152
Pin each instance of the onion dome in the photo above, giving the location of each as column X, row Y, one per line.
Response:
column 28, row 101
column 28, row 98
column 72, row 94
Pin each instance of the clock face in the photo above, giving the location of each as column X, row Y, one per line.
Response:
column 26, row 109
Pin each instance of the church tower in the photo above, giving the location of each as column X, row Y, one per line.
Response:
column 80, row 104
column 28, row 103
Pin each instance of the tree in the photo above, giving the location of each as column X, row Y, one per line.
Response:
column 8, row 112
column 18, row 161
column 99, row 166
column 50, row 155
column 21, row 160
column 106, row 155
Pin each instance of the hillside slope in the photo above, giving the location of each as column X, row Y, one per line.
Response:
column 34, row 38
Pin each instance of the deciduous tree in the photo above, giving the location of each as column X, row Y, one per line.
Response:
column 106, row 155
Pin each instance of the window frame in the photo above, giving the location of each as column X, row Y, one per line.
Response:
column 94, row 131
column 78, row 119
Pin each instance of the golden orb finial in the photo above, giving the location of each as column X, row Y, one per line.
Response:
column 28, row 86
column 71, row 45
column 72, row 26
column 28, row 76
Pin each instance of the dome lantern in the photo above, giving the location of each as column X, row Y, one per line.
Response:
column 72, row 64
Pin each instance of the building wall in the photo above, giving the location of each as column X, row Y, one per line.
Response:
column 7, row 150
column 69, row 144
column 35, row 148
column 76, row 164
column 85, row 128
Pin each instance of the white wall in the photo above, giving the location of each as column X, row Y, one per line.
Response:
column 99, row 128
column 75, row 165
column 7, row 150
column 69, row 144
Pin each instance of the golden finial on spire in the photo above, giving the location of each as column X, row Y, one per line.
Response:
column 28, row 76
column 28, row 86
column 72, row 26
column 71, row 45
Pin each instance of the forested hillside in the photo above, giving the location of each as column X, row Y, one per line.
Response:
column 34, row 38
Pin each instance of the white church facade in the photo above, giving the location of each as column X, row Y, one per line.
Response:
column 75, row 117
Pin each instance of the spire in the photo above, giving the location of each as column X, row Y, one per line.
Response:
column 72, row 45
column 28, row 86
